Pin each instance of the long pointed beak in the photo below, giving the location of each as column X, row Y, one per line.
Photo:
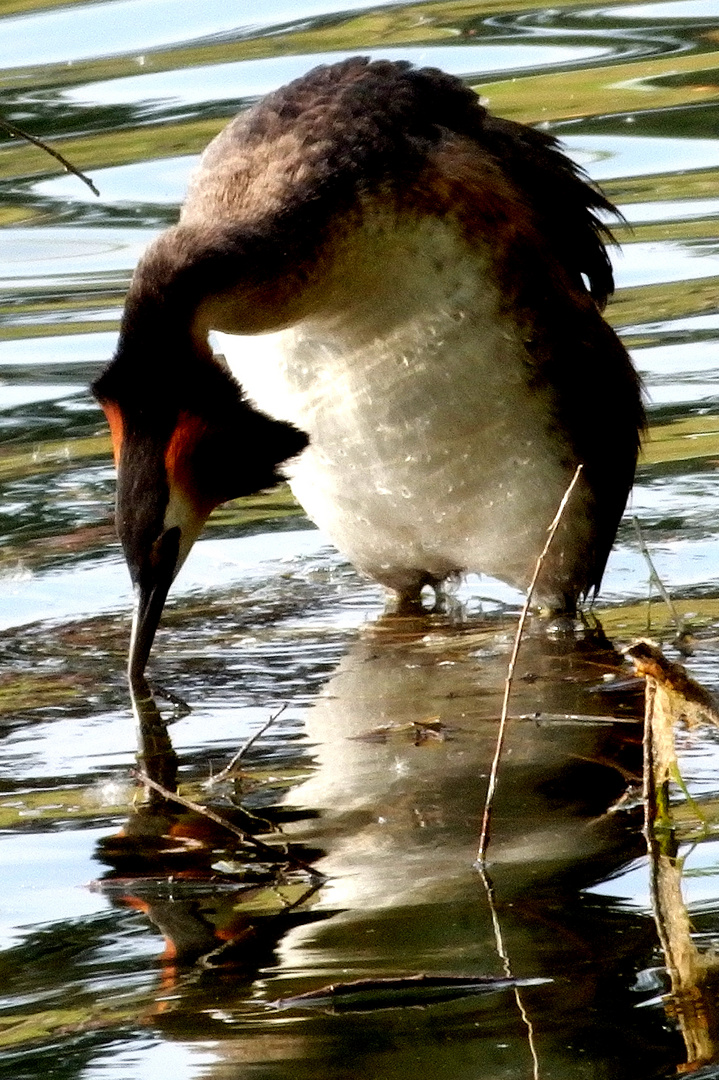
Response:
column 150, row 594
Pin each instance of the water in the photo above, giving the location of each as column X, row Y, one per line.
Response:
column 266, row 616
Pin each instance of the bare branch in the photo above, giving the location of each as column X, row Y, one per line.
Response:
column 227, row 771
column 18, row 133
column 205, row 811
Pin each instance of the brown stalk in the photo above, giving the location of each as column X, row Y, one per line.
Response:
column 491, row 788
column 670, row 696
column 493, row 775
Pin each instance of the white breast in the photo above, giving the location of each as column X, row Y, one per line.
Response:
column 429, row 451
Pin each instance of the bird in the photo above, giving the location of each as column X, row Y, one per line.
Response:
column 408, row 293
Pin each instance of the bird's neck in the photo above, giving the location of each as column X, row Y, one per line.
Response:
column 242, row 279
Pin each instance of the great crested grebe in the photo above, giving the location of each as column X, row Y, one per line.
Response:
column 417, row 286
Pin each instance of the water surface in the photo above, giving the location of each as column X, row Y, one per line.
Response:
column 376, row 767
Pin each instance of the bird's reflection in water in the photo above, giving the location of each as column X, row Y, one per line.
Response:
column 165, row 864
column 402, row 737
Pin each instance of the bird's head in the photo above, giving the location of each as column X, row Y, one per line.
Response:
column 182, row 446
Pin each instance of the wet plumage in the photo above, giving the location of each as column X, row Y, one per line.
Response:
column 417, row 286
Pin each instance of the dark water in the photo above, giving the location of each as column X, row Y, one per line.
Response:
column 266, row 616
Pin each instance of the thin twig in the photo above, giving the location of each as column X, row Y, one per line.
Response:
column 227, row 771
column 654, row 578
column 205, row 811
column 18, row 133
column 491, row 787
column 649, row 793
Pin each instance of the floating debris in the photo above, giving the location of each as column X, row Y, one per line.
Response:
column 366, row 995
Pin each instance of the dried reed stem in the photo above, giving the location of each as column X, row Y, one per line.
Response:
column 492, row 786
